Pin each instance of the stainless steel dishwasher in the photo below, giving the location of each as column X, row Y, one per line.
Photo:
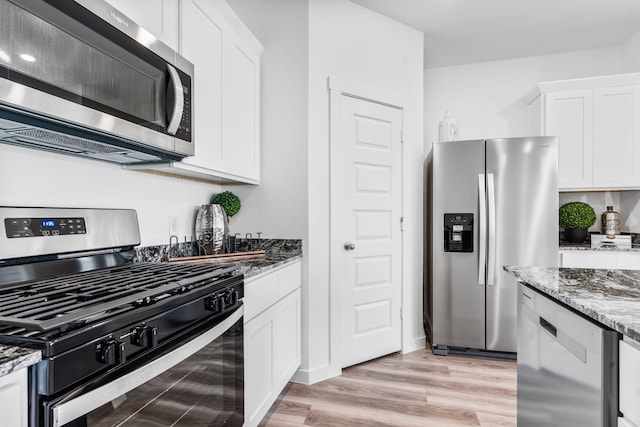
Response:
column 567, row 366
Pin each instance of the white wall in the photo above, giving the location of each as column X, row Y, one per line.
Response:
column 312, row 40
column 278, row 206
column 36, row 178
column 486, row 98
column 354, row 44
column 631, row 54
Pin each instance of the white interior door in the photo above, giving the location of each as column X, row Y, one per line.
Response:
column 366, row 210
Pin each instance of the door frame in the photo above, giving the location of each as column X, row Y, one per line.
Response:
column 339, row 87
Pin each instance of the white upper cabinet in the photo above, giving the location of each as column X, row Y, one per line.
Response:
column 159, row 17
column 569, row 115
column 202, row 44
column 616, row 127
column 597, row 121
column 226, row 57
column 226, row 86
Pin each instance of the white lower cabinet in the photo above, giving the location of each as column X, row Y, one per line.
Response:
column 629, row 386
column 13, row 399
column 272, row 338
column 600, row 259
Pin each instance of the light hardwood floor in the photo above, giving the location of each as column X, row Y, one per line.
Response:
column 414, row 389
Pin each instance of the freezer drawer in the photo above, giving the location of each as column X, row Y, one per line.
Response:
column 567, row 366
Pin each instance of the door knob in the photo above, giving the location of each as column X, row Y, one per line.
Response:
column 349, row 246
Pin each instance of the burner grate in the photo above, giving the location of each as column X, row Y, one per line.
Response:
column 58, row 302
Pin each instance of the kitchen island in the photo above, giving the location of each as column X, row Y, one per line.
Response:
column 577, row 329
column 609, row 297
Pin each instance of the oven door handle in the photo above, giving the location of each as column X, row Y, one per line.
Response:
column 66, row 412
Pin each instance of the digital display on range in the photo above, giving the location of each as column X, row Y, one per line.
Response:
column 43, row 227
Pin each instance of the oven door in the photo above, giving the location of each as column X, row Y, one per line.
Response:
column 200, row 383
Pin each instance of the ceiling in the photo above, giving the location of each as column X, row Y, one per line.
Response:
column 460, row 32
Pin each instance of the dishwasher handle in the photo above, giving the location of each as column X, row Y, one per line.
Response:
column 547, row 326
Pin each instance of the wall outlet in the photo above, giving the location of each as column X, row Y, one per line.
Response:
column 173, row 225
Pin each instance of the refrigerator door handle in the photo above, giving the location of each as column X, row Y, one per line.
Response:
column 482, row 221
column 491, row 202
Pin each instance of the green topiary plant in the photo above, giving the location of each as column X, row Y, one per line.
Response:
column 229, row 201
column 577, row 215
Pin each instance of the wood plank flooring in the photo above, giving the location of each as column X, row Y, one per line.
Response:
column 414, row 389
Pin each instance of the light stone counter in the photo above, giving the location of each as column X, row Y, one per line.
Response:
column 15, row 358
column 610, row 297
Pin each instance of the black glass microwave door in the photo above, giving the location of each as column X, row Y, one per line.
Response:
column 80, row 64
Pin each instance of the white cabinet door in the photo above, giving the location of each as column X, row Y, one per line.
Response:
column 569, row 116
column 159, row 17
column 202, row 44
column 13, row 399
column 588, row 259
column 287, row 343
column 241, row 148
column 616, row 135
column 259, row 387
column 629, row 380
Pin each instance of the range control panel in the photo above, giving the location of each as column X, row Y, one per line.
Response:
column 38, row 227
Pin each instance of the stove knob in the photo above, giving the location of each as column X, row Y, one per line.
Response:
column 111, row 352
column 231, row 298
column 214, row 304
column 144, row 336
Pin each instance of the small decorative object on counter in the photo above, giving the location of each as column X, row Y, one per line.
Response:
column 576, row 218
column 211, row 228
column 448, row 128
column 610, row 222
column 230, row 204
column 229, row 201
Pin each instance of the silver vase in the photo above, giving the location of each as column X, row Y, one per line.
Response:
column 212, row 227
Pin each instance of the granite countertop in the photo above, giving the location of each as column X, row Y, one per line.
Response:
column 253, row 267
column 610, row 297
column 587, row 247
column 563, row 245
column 278, row 252
column 15, row 358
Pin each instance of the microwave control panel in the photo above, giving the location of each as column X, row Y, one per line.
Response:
column 38, row 227
column 184, row 128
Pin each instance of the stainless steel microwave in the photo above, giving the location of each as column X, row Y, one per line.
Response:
column 79, row 77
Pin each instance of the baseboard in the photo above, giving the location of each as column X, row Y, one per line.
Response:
column 414, row 344
column 307, row 377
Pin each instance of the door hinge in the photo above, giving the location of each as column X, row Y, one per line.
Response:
column 401, row 315
column 401, row 223
column 401, row 137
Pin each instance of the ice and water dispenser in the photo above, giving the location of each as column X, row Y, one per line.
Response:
column 458, row 232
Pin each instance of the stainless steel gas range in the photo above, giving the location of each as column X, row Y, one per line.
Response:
column 122, row 343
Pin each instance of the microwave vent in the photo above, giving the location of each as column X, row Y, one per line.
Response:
column 66, row 141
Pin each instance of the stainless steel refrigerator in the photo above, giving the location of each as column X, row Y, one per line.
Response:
column 493, row 202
